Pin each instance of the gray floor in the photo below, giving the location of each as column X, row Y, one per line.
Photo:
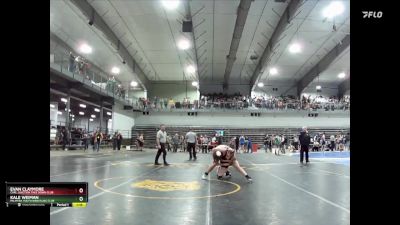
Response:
column 283, row 192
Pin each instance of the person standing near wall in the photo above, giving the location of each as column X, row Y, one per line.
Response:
column 64, row 136
column 169, row 142
column 114, row 140
column 191, row 138
column 304, row 139
column 266, row 143
column 241, row 142
column 119, row 140
column 237, row 143
column 296, row 142
column 85, row 141
column 140, row 142
column 161, row 139
column 332, row 140
column 277, row 144
column 97, row 140
column 175, row 141
column 323, row 141
column 283, row 143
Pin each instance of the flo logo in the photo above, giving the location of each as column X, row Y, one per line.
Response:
column 372, row 14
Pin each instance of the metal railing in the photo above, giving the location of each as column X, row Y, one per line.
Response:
column 245, row 106
column 95, row 79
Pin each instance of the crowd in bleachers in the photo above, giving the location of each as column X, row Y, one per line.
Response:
column 239, row 102
column 80, row 138
column 80, row 65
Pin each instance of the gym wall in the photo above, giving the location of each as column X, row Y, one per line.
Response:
column 244, row 120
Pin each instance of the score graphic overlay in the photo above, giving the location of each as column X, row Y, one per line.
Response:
column 56, row 194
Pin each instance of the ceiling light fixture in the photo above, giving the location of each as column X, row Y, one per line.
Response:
column 273, row 71
column 261, row 84
column 341, row 75
column 190, row 69
column 333, row 9
column 295, row 48
column 115, row 70
column 170, row 4
column 85, row 48
column 183, row 44
column 134, row 83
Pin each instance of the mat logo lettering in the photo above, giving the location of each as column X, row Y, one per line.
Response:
column 156, row 185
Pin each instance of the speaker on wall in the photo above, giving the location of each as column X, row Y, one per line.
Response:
column 187, row 26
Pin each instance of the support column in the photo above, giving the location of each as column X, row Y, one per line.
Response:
column 101, row 117
column 67, row 120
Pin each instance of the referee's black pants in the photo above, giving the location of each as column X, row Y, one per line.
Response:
column 161, row 150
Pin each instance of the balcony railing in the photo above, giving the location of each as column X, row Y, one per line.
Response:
column 95, row 79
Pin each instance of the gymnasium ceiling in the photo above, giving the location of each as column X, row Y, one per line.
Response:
column 151, row 33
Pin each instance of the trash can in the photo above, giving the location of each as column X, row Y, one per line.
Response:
column 254, row 147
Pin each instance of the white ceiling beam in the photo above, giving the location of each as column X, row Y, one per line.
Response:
column 323, row 64
column 97, row 21
column 284, row 21
column 241, row 18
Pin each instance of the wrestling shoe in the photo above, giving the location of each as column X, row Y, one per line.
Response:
column 249, row 179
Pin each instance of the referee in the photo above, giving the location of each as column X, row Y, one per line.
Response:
column 161, row 139
column 191, row 143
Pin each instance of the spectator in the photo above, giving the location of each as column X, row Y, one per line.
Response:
column 332, row 140
column 64, row 137
column 323, row 141
column 175, row 141
column 140, row 142
column 98, row 139
column 204, row 144
column 169, row 142
column 171, row 103
column 237, row 143
column 85, row 141
column 114, row 140
column 283, row 143
column 71, row 67
column 183, row 143
column 249, row 145
column 296, row 142
column 347, row 143
column 277, row 144
column 119, row 140
column 241, row 142
column 266, row 143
